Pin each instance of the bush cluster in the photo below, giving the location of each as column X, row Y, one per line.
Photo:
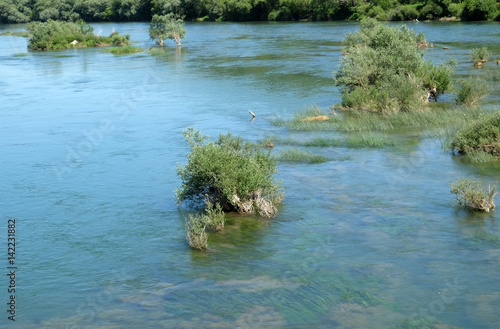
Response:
column 481, row 137
column 53, row 35
column 473, row 195
column 384, row 71
column 237, row 175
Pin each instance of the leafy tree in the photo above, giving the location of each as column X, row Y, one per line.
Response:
column 15, row 11
column 384, row 71
column 166, row 27
column 475, row 10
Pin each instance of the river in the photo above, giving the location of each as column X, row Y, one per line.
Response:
column 89, row 146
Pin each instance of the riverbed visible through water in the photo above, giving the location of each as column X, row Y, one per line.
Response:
column 89, row 144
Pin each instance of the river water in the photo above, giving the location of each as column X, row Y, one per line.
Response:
column 89, row 145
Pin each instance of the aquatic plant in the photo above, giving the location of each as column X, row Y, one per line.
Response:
column 473, row 195
column 471, row 91
column 383, row 71
column 297, row 155
column 197, row 237
column 124, row 50
column 53, row 35
column 479, row 55
column 212, row 218
column 479, row 137
column 361, row 121
column 236, row 174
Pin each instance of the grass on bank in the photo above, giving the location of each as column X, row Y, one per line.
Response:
column 212, row 218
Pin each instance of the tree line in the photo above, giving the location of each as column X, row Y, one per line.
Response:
column 23, row 11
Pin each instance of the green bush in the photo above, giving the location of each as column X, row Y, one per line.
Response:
column 431, row 11
column 196, row 232
column 481, row 136
column 479, row 55
column 476, row 10
column 456, row 9
column 61, row 35
column 237, row 175
column 383, row 70
column 471, row 91
column 473, row 195
column 196, row 227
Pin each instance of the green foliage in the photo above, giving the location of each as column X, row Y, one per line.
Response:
column 196, row 232
column 479, row 55
column 480, row 136
column 23, row 11
column 473, row 195
column 166, row 27
column 52, row 35
column 237, row 175
column 124, row 50
column 213, row 219
column 471, row 91
column 476, row 10
column 383, row 70
column 361, row 121
column 431, row 11
column 297, row 155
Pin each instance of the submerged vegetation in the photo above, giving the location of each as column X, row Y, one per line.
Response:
column 53, row 35
column 124, row 50
column 16, row 11
column 237, row 175
column 473, row 195
column 384, row 71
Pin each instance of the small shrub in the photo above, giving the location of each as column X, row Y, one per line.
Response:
column 471, row 91
column 196, row 234
column 481, row 136
column 237, row 175
column 472, row 194
column 479, row 55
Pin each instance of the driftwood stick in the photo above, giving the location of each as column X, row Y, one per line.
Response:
column 251, row 113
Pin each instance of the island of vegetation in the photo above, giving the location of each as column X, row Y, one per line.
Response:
column 53, row 35
column 227, row 175
column 24, row 11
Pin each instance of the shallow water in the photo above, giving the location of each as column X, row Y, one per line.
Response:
column 90, row 142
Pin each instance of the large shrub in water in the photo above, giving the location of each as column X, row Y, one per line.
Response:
column 236, row 174
column 481, row 137
column 383, row 70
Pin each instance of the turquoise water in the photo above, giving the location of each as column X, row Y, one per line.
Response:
column 89, row 145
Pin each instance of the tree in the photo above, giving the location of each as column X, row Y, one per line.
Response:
column 166, row 27
column 383, row 70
